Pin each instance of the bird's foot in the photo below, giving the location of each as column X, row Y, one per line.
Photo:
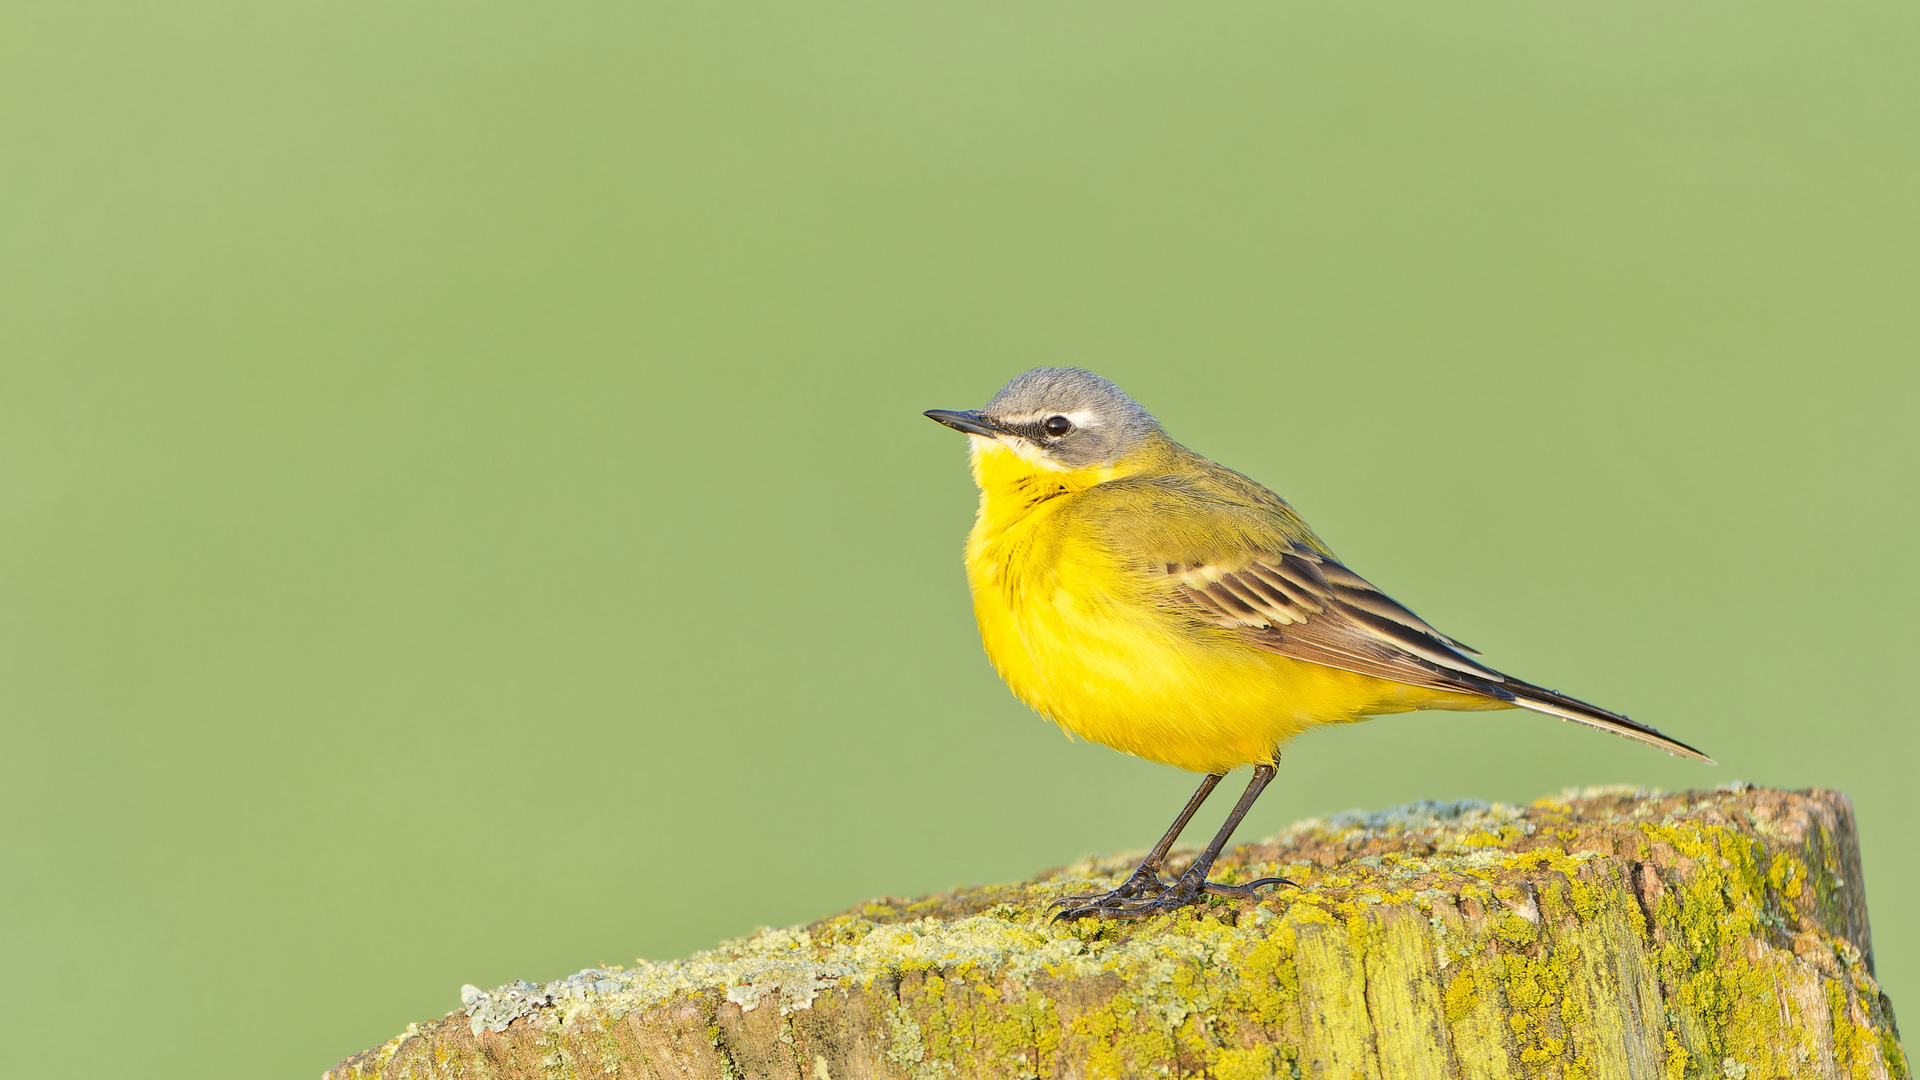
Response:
column 1188, row 890
column 1144, row 883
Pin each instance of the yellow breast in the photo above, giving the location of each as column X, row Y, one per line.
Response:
column 1082, row 635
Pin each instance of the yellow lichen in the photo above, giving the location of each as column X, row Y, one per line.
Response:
column 1678, row 1059
column 1459, row 997
column 1787, row 875
column 1252, row 1063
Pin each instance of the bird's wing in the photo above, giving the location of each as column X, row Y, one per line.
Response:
column 1302, row 603
column 1221, row 549
column 1231, row 553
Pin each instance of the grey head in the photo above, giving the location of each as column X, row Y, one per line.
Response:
column 1062, row 416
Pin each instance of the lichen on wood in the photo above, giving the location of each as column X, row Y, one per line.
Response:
column 1598, row 935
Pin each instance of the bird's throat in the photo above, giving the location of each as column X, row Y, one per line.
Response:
column 1012, row 488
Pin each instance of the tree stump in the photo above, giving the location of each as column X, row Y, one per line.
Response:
column 1598, row 935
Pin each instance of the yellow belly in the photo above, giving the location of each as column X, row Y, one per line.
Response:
column 1082, row 641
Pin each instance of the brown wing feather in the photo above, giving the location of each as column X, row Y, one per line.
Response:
column 1302, row 604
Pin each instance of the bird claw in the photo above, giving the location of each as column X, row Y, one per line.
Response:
column 1246, row 892
column 1170, row 899
column 1143, row 884
column 1139, row 907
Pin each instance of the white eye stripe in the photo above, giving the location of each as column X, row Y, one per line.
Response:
column 1081, row 418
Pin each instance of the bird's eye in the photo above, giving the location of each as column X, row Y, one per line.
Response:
column 1058, row 426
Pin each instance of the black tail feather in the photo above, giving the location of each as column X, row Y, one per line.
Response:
column 1554, row 703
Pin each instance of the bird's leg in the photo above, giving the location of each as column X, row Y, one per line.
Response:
column 1193, row 884
column 1145, row 879
column 1195, row 879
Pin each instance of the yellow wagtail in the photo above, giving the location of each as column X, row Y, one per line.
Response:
column 1141, row 596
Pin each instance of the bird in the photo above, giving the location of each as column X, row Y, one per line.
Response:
column 1142, row 596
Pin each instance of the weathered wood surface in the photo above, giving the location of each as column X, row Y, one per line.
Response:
column 1589, row 937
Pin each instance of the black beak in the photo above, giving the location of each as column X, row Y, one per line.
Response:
column 973, row 423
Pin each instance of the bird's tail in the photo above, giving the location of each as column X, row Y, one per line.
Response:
column 1553, row 703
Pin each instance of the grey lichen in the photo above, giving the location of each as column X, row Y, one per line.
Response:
column 493, row 1010
column 904, row 1045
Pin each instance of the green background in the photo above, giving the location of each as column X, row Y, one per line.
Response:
column 465, row 513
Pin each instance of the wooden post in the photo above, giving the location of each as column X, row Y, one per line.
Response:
column 1610, row 934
